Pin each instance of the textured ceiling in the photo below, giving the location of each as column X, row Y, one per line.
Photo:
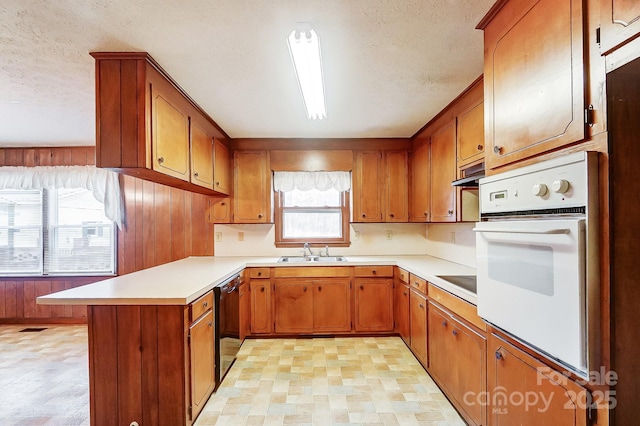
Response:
column 389, row 66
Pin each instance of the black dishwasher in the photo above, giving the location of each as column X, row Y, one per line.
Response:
column 227, row 325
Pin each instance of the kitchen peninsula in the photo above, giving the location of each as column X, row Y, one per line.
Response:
column 141, row 363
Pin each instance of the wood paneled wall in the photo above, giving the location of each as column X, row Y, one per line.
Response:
column 162, row 224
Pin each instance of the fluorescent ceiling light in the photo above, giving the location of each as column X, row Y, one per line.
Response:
column 304, row 46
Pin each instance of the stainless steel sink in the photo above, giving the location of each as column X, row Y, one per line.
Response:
column 309, row 259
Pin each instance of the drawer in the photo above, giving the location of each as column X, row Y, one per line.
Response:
column 402, row 275
column 461, row 308
column 418, row 283
column 373, row 271
column 259, row 273
column 312, row 271
column 201, row 305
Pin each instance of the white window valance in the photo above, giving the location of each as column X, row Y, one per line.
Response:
column 304, row 181
column 102, row 183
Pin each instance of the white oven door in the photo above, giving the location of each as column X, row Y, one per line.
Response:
column 531, row 283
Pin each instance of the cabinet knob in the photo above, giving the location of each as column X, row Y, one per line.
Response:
column 364, row 215
column 480, row 147
column 304, row 289
column 196, row 174
column 392, row 215
column 161, row 160
column 134, row 424
column 497, row 149
column 319, row 288
column 259, row 274
column 374, row 272
column 222, row 203
column 444, row 323
column 454, row 332
column 210, row 324
column 262, row 289
column 361, row 287
column 499, row 355
column 421, row 306
column 260, row 216
column 217, row 183
column 449, row 212
column 405, row 293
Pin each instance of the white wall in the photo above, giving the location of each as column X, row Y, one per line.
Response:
column 371, row 239
column 455, row 242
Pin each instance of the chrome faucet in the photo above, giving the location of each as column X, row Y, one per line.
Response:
column 326, row 251
column 305, row 248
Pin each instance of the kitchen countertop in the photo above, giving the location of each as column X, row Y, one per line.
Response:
column 183, row 281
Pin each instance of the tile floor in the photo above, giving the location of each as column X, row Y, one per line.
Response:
column 327, row 381
column 320, row 381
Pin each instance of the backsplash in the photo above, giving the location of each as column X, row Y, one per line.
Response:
column 366, row 239
column 455, row 242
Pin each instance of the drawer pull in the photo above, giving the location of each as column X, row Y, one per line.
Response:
column 210, row 324
column 373, row 272
column 444, row 323
column 454, row 332
column 205, row 304
column 499, row 355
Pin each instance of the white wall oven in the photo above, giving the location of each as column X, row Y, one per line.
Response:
column 537, row 257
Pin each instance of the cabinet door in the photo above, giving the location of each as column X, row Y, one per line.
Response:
column 418, row 313
column 222, row 163
column 401, row 312
column 510, row 371
column 245, row 310
column 374, row 304
column 421, row 183
column 534, row 79
column 367, row 184
column 293, row 306
column 396, row 186
column 331, row 306
column 620, row 23
column 201, row 338
column 220, row 210
column 457, row 359
column 252, row 194
column 471, row 134
column 201, row 155
column 443, row 172
column 261, row 322
column 169, row 131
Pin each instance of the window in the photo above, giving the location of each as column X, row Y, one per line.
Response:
column 55, row 232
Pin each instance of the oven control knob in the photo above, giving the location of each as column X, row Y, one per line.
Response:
column 539, row 189
column 560, row 186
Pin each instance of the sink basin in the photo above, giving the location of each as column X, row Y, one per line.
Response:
column 310, row 259
column 467, row 282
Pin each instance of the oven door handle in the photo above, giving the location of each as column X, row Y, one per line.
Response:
column 523, row 231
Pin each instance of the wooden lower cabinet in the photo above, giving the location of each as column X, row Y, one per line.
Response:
column 245, row 310
column 524, row 391
column 373, row 304
column 149, row 364
column 201, row 349
column 401, row 311
column 457, row 361
column 260, row 293
column 418, row 326
column 312, row 305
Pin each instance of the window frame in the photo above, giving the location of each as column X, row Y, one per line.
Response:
column 279, row 210
column 47, row 243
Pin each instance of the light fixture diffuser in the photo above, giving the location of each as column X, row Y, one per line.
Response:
column 304, row 46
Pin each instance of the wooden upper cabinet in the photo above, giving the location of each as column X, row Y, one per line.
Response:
column 620, row 23
column 201, row 154
column 380, row 186
column 534, row 82
column 252, row 187
column 221, row 169
column 147, row 127
column 443, row 172
column 396, row 186
column 421, row 183
column 367, row 182
column 471, row 134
